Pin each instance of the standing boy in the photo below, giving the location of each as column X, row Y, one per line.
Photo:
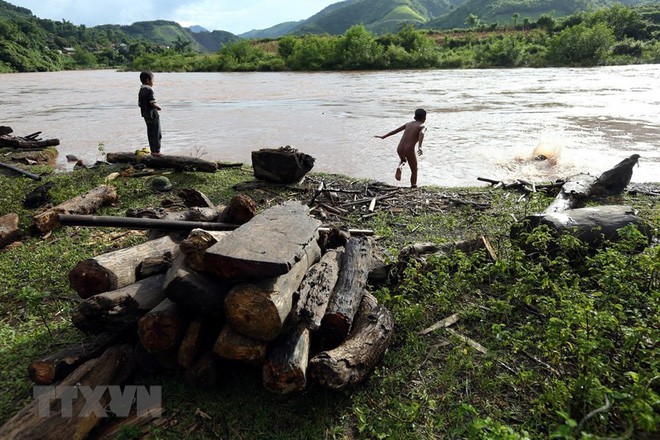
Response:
column 413, row 133
column 149, row 110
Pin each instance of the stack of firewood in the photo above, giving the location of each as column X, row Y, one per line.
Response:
column 269, row 293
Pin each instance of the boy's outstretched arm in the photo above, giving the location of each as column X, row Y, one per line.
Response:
column 403, row 127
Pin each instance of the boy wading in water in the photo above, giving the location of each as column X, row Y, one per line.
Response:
column 413, row 133
column 149, row 110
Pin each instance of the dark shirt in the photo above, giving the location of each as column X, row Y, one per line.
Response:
column 145, row 100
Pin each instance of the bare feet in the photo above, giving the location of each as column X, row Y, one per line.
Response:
column 413, row 186
column 157, row 154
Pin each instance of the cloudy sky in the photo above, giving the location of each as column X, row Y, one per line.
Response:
column 235, row 16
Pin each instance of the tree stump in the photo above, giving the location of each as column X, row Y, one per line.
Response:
column 281, row 165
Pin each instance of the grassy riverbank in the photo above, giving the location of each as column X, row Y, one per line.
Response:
column 564, row 334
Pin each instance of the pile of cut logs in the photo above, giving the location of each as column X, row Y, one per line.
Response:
column 269, row 293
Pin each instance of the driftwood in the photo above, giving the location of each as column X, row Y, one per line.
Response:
column 234, row 346
column 116, row 269
column 20, row 171
column 120, row 309
column 267, row 246
column 281, row 165
column 25, row 143
column 285, row 368
column 82, row 204
column 346, row 297
column 352, row 361
column 140, row 223
column 316, row 288
column 162, row 328
column 45, row 418
column 194, row 291
column 9, row 231
column 58, row 365
column 180, row 163
column 259, row 309
column 591, row 225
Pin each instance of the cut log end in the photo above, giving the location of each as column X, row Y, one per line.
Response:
column 89, row 278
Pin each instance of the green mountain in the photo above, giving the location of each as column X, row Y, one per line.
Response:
column 383, row 16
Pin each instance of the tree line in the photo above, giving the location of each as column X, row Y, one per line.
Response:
column 614, row 35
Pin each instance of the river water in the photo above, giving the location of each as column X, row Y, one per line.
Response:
column 481, row 123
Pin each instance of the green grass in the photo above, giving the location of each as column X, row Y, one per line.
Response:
column 563, row 332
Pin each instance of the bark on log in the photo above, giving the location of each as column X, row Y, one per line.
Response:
column 46, row 418
column 16, row 143
column 196, row 244
column 9, row 231
column 20, row 171
column 282, row 165
column 285, row 369
column 234, row 346
column 346, row 297
column 58, row 365
column 351, row 362
column 162, row 328
column 259, row 309
column 240, row 210
column 200, row 336
column 267, row 246
column 82, row 204
column 316, row 288
column 119, row 309
column 179, row 163
column 194, row 291
column 116, row 269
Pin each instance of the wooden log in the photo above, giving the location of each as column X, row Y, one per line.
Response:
column 9, row 230
column 267, row 246
column 151, row 266
column 194, row 291
column 196, row 244
column 573, row 193
column 20, row 171
column 83, row 204
column 200, row 335
column 15, row 142
column 316, row 288
column 48, row 418
column 58, row 365
column 204, row 373
column 346, row 297
column 240, row 210
column 259, row 309
column 234, row 346
column 352, row 361
column 119, row 309
column 594, row 225
column 179, row 163
column 285, row 368
column 195, row 198
column 162, row 328
column 116, row 269
column 281, row 165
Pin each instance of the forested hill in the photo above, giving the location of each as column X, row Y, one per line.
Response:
column 383, row 16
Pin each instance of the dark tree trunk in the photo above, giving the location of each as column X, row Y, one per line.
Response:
column 179, row 163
